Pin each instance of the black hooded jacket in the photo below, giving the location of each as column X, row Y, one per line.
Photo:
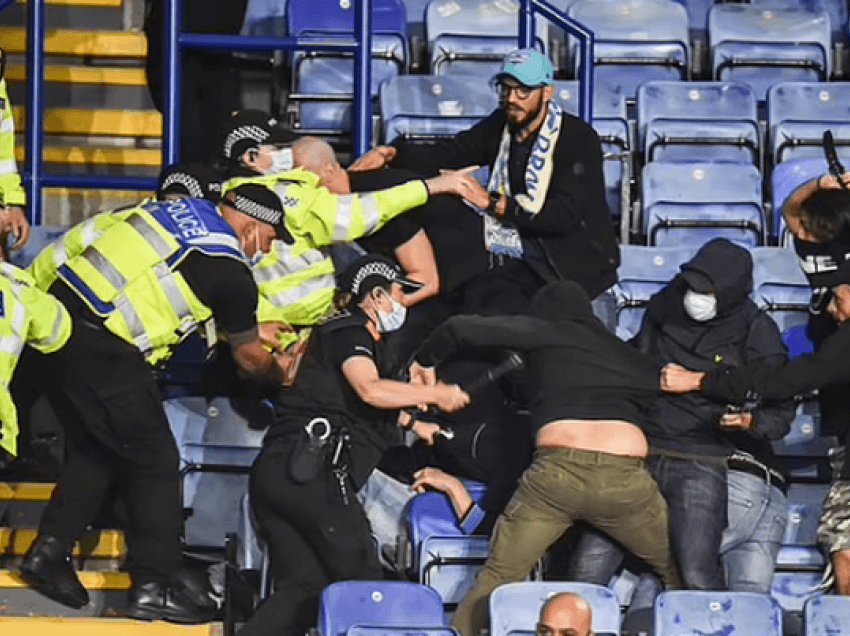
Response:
column 578, row 369
column 740, row 333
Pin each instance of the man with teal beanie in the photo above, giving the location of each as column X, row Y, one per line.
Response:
column 542, row 214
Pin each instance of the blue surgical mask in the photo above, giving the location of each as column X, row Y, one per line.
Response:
column 392, row 320
column 700, row 307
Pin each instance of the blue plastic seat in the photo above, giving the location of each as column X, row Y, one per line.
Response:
column 402, row 604
column 785, row 178
column 798, row 113
column 217, row 447
column 780, row 287
column 698, row 613
column 265, row 18
column 792, row 589
column 515, row 607
column 836, row 9
column 643, row 272
column 827, row 616
column 698, row 121
column 318, row 74
column 762, row 46
column 693, row 203
column 800, row 543
column 470, row 37
column 635, row 41
column 442, row 556
column 429, row 106
column 40, row 237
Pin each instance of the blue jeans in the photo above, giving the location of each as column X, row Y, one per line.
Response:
column 695, row 492
column 757, row 518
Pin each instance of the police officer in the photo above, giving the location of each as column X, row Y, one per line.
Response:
column 136, row 282
column 330, row 429
column 27, row 316
column 12, row 195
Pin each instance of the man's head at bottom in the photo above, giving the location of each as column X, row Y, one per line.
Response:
column 564, row 614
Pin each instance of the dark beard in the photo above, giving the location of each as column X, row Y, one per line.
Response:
column 516, row 128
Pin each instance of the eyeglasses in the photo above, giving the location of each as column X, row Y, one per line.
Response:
column 541, row 629
column 522, row 91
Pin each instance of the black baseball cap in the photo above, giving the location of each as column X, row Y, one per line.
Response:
column 249, row 129
column 191, row 180
column 373, row 270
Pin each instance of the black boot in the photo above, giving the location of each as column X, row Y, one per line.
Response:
column 157, row 601
column 47, row 568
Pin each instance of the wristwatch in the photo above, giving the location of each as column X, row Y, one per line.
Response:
column 495, row 197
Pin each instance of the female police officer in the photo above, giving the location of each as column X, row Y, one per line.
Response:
column 330, row 429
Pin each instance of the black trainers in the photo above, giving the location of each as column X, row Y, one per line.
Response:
column 156, row 601
column 47, row 568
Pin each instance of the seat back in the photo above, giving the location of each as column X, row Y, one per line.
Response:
column 693, row 203
column 377, row 603
column 785, row 178
column 635, row 41
column 643, row 272
column 693, row 612
column 800, row 542
column 792, row 589
column 429, row 106
column 798, row 113
column 780, row 287
column 761, row 46
column 708, row 121
column 515, row 607
column 827, row 616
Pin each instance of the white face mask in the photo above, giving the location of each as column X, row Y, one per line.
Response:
column 700, row 307
column 281, row 160
column 388, row 321
column 257, row 256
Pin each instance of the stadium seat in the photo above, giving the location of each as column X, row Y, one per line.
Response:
column 762, row 46
column 786, row 177
column 643, row 271
column 265, row 18
column 515, row 607
column 702, row 121
column 611, row 124
column 792, row 589
column 440, row 554
column 429, row 106
column 693, row 203
column 403, row 604
column 780, row 287
column 470, row 37
column 827, row 616
column 40, row 237
column 836, row 9
column 798, row 113
column 317, row 74
column 800, row 545
column 695, row 613
column 635, row 41
column 217, row 447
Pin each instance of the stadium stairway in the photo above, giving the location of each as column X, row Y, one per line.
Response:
column 99, row 117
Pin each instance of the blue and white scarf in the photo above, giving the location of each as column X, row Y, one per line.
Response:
column 504, row 238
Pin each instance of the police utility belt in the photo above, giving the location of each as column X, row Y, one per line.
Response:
column 322, row 446
column 746, row 463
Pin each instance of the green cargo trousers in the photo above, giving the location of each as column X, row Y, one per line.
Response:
column 615, row 494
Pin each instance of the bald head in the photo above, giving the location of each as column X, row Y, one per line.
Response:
column 318, row 157
column 565, row 614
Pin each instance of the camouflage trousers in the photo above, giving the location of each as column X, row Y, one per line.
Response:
column 834, row 525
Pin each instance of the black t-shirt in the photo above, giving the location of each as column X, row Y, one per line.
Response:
column 400, row 229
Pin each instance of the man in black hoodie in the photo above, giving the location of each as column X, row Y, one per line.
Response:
column 702, row 319
column 591, row 395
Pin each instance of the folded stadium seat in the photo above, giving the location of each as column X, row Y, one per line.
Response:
column 265, row 18
column 438, row 553
column 792, row 589
column 319, row 74
column 786, row 177
column 698, row 121
column 430, row 106
column 400, row 604
column 799, row 551
column 780, row 287
column 643, row 271
column 694, row 202
column 836, row 9
column 635, row 41
column 470, row 37
column 798, row 113
column 761, row 46
column 692, row 612
column 827, row 616
column 515, row 607
column 217, row 447
column 612, row 125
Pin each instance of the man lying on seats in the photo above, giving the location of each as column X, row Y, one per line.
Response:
column 766, row 382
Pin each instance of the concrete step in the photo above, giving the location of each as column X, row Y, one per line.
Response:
column 95, row 157
column 103, row 121
column 105, row 544
column 100, row 627
column 68, row 16
column 82, row 3
column 107, row 592
column 79, row 42
column 21, row 504
column 79, row 74
column 64, row 206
